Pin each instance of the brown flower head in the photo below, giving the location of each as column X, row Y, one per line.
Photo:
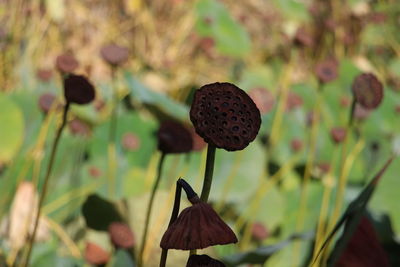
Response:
column 130, row 142
column 79, row 127
column 96, row 255
column 114, row 54
column 367, row 90
column 203, row 261
column 225, row 116
column 66, row 63
column 173, row 137
column 78, row 90
column 327, row 71
column 259, row 232
column 121, row 235
column 44, row 75
column 197, row 227
column 338, row 134
column 263, row 98
column 296, row 145
column 46, row 101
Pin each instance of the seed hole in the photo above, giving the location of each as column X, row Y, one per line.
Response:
column 234, row 118
column 235, row 128
column 235, row 104
column 242, row 119
column 236, row 139
column 244, row 132
column 224, row 114
column 232, row 111
column 225, row 104
column 224, row 123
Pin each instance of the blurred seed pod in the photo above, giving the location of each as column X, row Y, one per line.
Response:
column 78, row 90
column 66, row 63
column 46, row 101
column 293, row 101
column 338, row 134
column 327, row 70
column 44, row 75
column 130, row 142
column 114, row 54
column 197, row 227
column 225, row 116
column 303, row 38
column 322, row 168
column 344, row 101
column 96, row 255
column 259, row 232
column 367, row 90
column 79, row 127
column 203, row 261
column 296, row 145
column 173, row 137
column 94, row 172
column 121, row 235
column 263, row 99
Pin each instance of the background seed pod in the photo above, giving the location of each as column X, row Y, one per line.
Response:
column 66, row 63
column 338, row 134
column 78, row 90
column 121, row 235
column 96, row 255
column 368, row 90
column 173, row 137
column 225, row 116
column 327, row 71
column 114, row 54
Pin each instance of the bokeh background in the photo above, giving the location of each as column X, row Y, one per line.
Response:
column 268, row 48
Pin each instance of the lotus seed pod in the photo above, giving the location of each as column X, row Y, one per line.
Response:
column 338, row 134
column 367, row 90
column 78, row 90
column 114, row 54
column 96, row 255
column 121, row 235
column 66, row 63
column 203, row 261
column 225, row 116
column 327, row 71
column 173, row 137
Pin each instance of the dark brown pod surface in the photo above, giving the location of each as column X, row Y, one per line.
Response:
column 66, row 63
column 338, row 134
column 78, row 90
column 197, row 227
column 367, row 90
column 326, row 71
column 114, row 54
column 121, row 235
column 225, row 116
column 96, row 255
column 203, row 261
column 173, row 137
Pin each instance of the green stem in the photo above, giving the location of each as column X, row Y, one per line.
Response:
column 112, row 136
column 174, row 215
column 46, row 182
column 150, row 207
column 208, row 174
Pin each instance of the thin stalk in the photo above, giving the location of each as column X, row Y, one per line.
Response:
column 112, row 153
column 208, row 174
column 174, row 215
column 46, row 182
column 307, row 175
column 150, row 207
